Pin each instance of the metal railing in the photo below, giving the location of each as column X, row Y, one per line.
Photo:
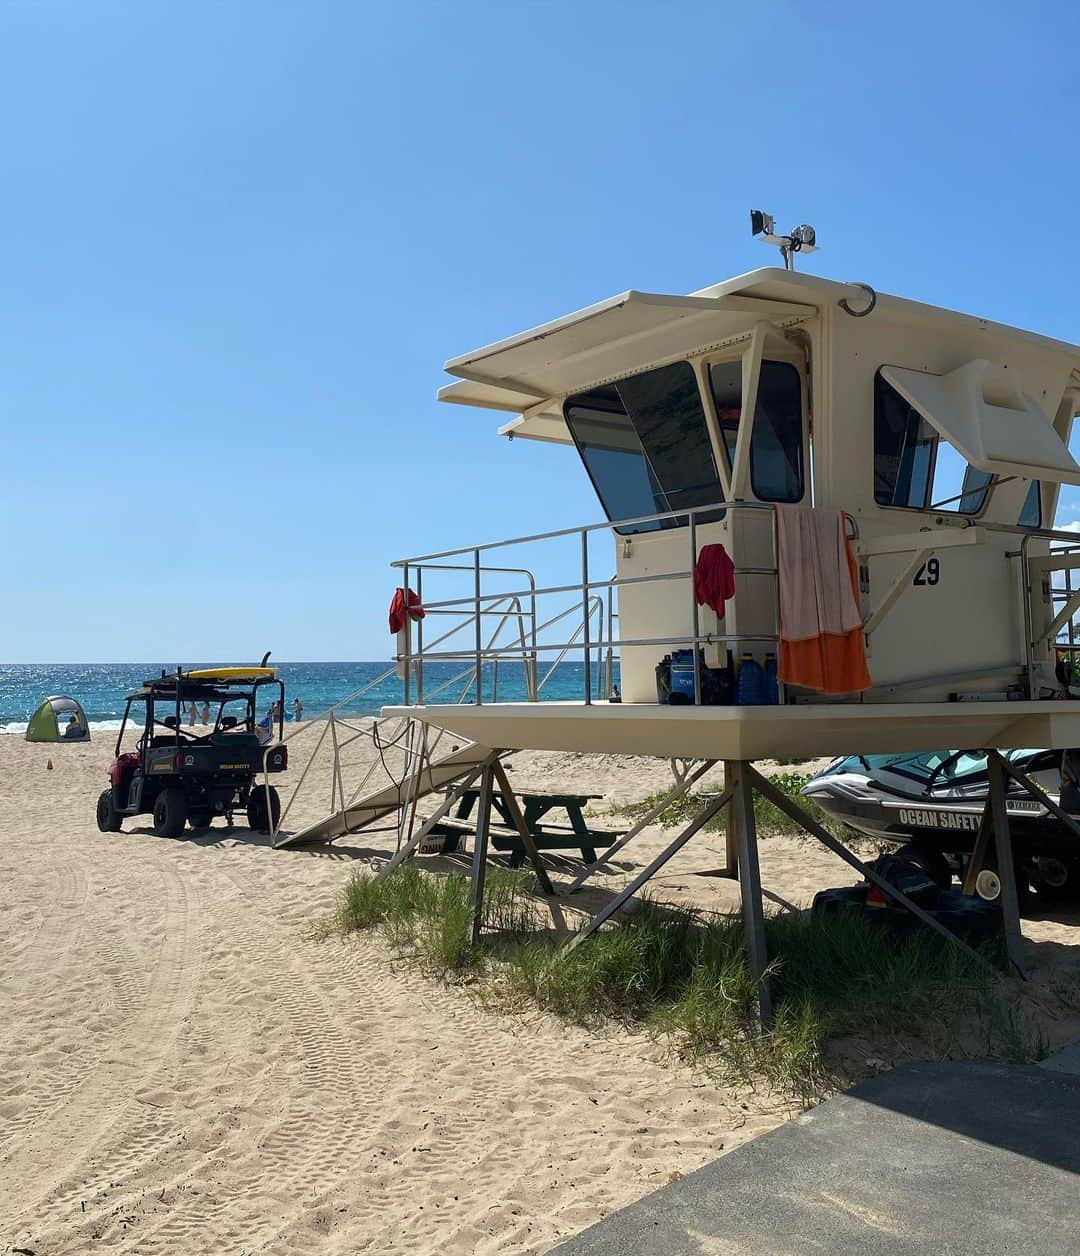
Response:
column 594, row 600
column 1060, row 599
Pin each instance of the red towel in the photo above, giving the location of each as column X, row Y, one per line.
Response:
column 714, row 578
column 405, row 604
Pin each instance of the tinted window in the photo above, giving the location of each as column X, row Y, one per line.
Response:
column 665, row 408
column 645, row 445
column 1031, row 511
column 614, row 457
column 913, row 467
column 776, row 444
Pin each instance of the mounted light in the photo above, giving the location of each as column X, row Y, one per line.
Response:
column 801, row 239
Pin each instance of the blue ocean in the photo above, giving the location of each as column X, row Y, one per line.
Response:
column 101, row 687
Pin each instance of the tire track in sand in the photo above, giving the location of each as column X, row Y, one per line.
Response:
column 320, row 1136
column 61, row 931
column 44, row 953
column 62, row 1141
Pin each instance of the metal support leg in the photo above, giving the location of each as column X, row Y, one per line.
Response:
column 335, row 775
column 731, row 845
column 417, row 778
column 742, row 806
column 646, row 873
column 527, row 839
column 1040, row 795
column 480, row 849
column 1006, row 870
column 680, row 789
column 409, row 780
column 978, row 851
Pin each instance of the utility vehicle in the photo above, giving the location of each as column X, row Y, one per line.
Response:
column 187, row 775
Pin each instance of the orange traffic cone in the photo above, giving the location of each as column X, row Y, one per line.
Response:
column 48, row 766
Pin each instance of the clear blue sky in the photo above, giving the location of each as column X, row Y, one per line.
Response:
column 239, row 240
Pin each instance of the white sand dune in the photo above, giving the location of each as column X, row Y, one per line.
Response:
column 185, row 1070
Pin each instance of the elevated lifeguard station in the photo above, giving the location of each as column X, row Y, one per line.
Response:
column 942, row 437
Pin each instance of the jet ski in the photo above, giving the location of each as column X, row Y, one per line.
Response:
column 929, row 805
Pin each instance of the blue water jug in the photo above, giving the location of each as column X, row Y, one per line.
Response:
column 750, row 684
column 771, row 688
column 682, row 677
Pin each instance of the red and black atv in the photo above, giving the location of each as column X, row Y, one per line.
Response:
column 187, row 775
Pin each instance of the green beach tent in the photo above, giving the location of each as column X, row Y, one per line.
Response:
column 58, row 719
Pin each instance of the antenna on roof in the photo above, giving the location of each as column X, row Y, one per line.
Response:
column 801, row 239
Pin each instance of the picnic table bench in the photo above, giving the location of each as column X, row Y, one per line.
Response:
column 534, row 807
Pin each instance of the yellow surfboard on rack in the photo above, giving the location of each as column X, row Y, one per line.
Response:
column 230, row 673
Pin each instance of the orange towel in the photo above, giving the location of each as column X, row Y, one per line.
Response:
column 821, row 638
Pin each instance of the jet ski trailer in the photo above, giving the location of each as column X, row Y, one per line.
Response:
column 930, row 805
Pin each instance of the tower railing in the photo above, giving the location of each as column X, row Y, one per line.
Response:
column 582, row 626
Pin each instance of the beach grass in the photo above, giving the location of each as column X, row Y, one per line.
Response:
column 769, row 818
column 683, row 974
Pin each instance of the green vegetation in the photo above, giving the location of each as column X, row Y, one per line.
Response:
column 770, row 819
column 431, row 917
column 684, row 974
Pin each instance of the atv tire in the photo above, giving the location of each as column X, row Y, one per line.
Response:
column 108, row 818
column 200, row 818
column 256, row 808
column 170, row 813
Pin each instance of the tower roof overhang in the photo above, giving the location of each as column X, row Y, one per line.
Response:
column 530, row 374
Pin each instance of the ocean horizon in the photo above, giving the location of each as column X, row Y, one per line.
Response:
column 101, row 688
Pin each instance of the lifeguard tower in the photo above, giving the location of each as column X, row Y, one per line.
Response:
column 943, row 439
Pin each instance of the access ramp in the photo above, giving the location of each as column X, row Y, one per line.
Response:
column 427, row 778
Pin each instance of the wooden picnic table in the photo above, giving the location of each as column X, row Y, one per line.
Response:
column 534, row 807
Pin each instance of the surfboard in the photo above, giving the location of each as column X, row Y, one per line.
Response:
column 230, row 673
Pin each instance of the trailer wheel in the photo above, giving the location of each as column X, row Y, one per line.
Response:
column 108, row 819
column 170, row 813
column 256, row 808
column 988, row 883
column 1056, row 880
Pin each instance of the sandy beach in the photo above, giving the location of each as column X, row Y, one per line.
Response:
column 187, row 1070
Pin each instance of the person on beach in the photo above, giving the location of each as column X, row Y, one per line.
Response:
column 297, row 710
column 192, row 716
column 73, row 729
column 206, row 713
column 265, row 727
